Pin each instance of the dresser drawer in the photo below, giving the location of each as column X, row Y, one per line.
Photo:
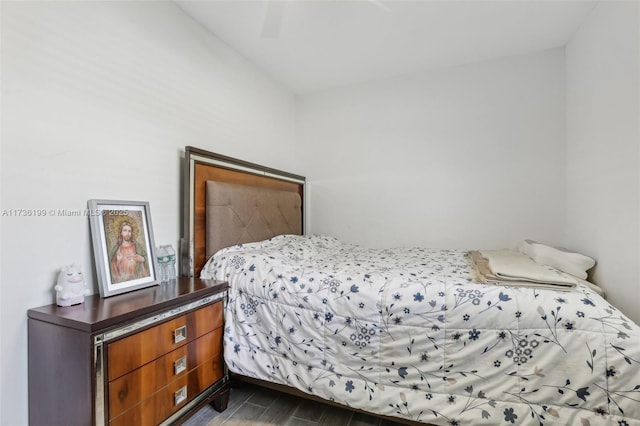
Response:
column 119, row 359
column 160, row 405
column 129, row 353
column 133, row 387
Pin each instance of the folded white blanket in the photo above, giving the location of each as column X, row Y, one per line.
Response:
column 572, row 263
column 512, row 266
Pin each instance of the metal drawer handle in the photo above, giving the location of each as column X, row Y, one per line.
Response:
column 180, row 334
column 180, row 395
column 179, row 365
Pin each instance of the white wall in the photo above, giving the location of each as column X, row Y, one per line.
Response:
column 98, row 101
column 471, row 156
column 603, row 156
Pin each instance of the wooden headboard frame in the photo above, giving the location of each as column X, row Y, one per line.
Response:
column 201, row 166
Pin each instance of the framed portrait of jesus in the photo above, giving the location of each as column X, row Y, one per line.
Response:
column 123, row 245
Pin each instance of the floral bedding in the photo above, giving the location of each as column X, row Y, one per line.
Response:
column 406, row 333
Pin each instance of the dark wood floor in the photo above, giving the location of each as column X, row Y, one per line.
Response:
column 255, row 405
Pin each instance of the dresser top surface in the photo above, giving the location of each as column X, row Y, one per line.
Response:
column 98, row 313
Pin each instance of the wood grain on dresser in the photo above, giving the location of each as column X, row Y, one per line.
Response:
column 147, row 357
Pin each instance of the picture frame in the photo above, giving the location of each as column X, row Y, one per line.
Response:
column 123, row 245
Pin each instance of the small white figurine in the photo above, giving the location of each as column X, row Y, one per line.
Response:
column 71, row 287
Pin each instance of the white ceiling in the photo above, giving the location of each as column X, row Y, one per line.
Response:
column 314, row 45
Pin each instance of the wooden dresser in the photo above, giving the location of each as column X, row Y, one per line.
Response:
column 148, row 357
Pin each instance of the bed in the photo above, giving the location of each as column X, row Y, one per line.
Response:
column 404, row 333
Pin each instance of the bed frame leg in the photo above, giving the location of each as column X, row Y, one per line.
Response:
column 220, row 402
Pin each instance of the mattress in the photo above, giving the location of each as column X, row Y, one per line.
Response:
column 406, row 332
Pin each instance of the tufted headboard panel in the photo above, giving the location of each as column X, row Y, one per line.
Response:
column 239, row 214
column 201, row 167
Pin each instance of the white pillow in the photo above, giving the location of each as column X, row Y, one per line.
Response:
column 572, row 263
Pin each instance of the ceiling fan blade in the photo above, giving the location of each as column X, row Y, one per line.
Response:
column 381, row 5
column 272, row 22
column 274, row 12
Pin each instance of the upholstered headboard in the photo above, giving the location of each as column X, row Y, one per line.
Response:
column 239, row 214
column 203, row 166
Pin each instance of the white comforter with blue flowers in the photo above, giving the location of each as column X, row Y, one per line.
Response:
column 406, row 333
